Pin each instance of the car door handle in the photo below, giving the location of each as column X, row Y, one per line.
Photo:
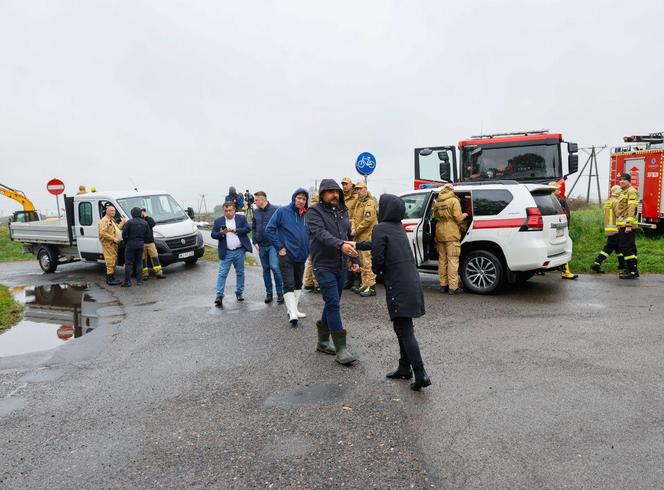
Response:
column 81, row 230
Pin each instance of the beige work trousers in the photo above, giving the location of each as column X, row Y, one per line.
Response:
column 368, row 277
column 309, row 279
column 110, row 251
column 448, row 263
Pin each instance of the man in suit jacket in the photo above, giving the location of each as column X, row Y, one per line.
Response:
column 231, row 230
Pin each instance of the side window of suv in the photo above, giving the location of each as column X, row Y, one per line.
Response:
column 415, row 205
column 490, row 202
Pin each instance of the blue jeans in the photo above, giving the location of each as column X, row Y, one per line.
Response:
column 236, row 259
column 270, row 263
column 331, row 286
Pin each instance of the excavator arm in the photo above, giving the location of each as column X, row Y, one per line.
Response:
column 18, row 196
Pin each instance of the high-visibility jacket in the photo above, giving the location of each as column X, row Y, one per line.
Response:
column 610, row 226
column 627, row 209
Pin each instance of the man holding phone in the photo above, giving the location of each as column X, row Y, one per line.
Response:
column 231, row 230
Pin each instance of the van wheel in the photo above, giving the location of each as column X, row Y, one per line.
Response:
column 482, row 272
column 48, row 261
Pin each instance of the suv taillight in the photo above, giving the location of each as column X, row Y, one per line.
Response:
column 534, row 220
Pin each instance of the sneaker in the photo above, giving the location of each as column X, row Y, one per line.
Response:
column 368, row 291
column 268, row 298
column 280, row 298
column 219, row 302
column 239, row 296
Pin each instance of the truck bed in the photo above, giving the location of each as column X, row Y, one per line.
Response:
column 48, row 232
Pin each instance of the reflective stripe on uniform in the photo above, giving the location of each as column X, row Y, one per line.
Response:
column 604, row 253
column 630, row 257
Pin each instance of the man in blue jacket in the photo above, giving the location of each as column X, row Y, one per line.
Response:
column 231, row 230
column 266, row 252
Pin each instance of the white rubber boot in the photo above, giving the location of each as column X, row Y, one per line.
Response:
column 298, row 293
column 289, row 299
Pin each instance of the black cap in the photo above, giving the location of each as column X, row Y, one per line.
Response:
column 626, row 177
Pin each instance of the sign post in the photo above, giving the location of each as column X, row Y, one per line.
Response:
column 56, row 187
column 365, row 164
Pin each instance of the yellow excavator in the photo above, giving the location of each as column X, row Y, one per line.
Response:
column 28, row 213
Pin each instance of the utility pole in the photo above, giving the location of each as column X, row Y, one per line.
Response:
column 202, row 204
column 591, row 163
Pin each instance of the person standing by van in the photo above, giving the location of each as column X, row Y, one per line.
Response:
column 134, row 233
column 150, row 250
column 110, row 236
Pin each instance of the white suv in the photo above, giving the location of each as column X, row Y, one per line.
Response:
column 514, row 230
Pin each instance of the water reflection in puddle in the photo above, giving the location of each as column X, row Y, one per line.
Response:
column 53, row 315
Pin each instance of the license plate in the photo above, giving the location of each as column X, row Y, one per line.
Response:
column 184, row 255
column 560, row 232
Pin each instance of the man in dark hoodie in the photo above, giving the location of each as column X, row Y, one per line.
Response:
column 391, row 255
column 134, row 233
column 330, row 246
column 236, row 198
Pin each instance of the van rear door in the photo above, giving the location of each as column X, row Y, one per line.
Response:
column 556, row 228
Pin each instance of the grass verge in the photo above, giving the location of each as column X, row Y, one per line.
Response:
column 211, row 255
column 11, row 250
column 10, row 310
column 587, row 232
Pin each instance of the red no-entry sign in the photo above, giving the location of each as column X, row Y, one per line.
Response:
column 55, row 187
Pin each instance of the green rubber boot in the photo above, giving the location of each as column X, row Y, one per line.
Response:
column 344, row 356
column 324, row 344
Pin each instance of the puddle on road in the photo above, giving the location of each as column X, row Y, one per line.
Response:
column 319, row 394
column 53, row 315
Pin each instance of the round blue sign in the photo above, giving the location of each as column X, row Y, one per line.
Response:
column 365, row 163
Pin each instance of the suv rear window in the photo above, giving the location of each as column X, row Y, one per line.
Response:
column 547, row 203
column 415, row 204
column 490, row 202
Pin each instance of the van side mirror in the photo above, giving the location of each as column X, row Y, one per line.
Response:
column 573, row 163
column 190, row 212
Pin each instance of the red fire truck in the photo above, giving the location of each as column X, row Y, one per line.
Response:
column 524, row 156
column 642, row 157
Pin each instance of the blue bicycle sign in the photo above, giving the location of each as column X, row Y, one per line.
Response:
column 365, row 163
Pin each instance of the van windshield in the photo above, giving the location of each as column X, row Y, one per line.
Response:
column 162, row 207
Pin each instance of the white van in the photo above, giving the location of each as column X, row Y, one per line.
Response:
column 76, row 236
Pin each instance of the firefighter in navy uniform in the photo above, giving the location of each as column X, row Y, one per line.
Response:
column 611, row 232
column 626, row 212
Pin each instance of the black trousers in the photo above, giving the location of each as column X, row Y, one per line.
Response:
column 627, row 245
column 612, row 245
column 291, row 273
column 133, row 263
column 409, row 350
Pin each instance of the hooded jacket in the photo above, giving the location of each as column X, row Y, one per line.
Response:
column 288, row 229
column 391, row 255
column 136, row 230
column 447, row 211
column 233, row 196
column 329, row 228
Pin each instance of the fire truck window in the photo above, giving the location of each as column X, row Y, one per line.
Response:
column 490, row 202
column 415, row 205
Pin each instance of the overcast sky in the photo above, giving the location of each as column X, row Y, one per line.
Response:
column 191, row 97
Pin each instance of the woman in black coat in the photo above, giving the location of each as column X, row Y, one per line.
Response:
column 391, row 255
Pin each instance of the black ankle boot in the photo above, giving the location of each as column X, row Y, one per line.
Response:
column 402, row 372
column 111, row 280
column 421, row 379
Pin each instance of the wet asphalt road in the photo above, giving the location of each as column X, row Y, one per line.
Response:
column 558, row 384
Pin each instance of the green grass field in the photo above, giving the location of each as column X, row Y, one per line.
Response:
column 11, row 250
column 587, row 231
column 10, row 311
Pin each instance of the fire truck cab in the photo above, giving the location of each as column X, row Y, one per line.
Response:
column 524, row 156
column 642, row 157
